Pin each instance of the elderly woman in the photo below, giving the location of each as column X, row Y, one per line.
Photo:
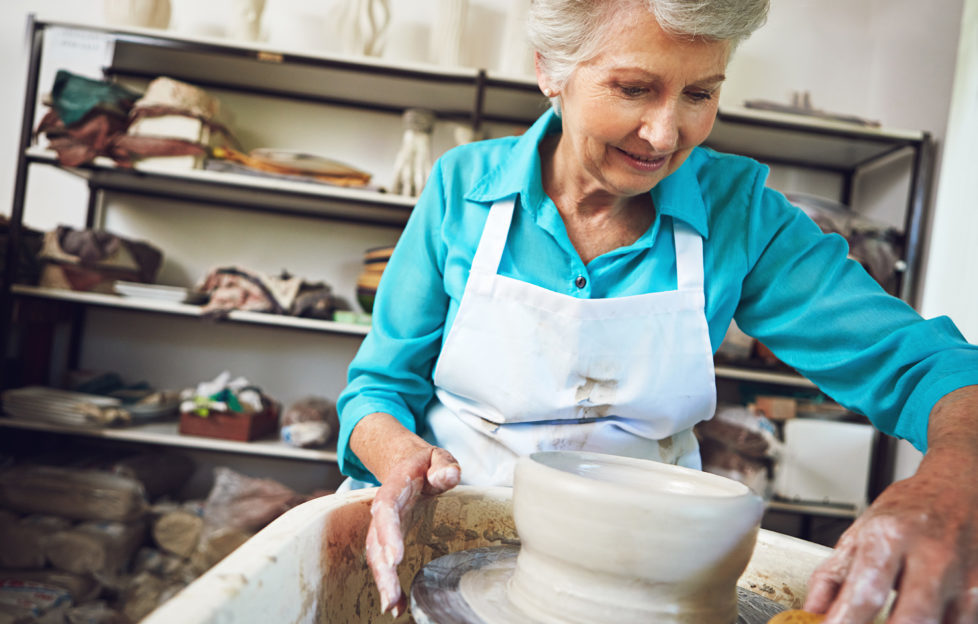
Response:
column 567, row 289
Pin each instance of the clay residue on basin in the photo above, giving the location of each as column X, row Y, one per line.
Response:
column 463, row 518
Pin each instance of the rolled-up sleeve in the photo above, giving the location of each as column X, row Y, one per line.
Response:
column 391, row 372
column 821, row 313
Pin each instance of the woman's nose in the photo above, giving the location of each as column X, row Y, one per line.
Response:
column 660, row 127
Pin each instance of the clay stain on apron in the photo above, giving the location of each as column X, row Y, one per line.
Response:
column 595, row 397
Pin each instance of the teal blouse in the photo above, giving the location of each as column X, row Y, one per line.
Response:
column 766, row 264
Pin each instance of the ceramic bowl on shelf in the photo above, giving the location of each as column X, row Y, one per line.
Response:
column 374, row 262
column 377, row 257
column 365, row 297
column 369, row 279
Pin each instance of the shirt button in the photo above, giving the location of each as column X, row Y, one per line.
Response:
column 580, row 282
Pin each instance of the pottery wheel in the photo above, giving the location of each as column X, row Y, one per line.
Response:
column 469, row 587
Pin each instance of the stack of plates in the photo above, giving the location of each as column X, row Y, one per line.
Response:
column 173, row 294
column 52, row 405
column 374, row 263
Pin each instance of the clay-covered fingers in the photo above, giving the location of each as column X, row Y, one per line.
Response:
column 964, row 610
column 385, row 540
column 829, row 576
column 429, row 471
column 862, row 573
column 929, row 584
column 916, row 539
column 444, row 472
column 384, row 573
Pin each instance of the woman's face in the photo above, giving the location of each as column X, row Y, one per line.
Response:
column 632, row 114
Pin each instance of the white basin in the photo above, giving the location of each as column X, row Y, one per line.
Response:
column 308, row 565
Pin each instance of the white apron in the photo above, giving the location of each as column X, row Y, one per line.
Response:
column 526, row 369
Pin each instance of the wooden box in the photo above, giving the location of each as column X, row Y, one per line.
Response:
column 231, row 425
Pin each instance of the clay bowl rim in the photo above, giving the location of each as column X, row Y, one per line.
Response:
column 722, row 490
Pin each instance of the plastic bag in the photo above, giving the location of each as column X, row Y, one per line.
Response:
column 240, row 502
column 309, row 422
column 739, row 444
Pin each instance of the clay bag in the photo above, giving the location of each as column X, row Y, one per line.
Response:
column 142, row 595
column 217, row 544
column 32, row 603
column 71, row 493
column 160, row 472
column 95, row 547
column 241, row 502
column 81, row 587
column 178, row 531
column 22, row 539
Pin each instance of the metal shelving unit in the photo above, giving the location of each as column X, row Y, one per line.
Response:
column 186, row 309
column 165, row 433
column 472, row 96
column 792, row 380
column 240, row 191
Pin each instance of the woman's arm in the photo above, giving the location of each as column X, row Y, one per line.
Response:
column 391, row 372
column 407, row 467
column 823, row 315
column 919, row 537
column 914, row 378
column 389, row 386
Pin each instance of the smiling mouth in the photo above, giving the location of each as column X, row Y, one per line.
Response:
column 643, row 162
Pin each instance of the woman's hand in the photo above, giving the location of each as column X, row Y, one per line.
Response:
column 920, row 537
column 407, row 467
column 429, row 471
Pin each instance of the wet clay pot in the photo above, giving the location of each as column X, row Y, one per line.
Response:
column 614, row 539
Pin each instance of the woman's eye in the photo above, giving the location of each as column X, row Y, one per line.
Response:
column 699, row 96
column 629, row 91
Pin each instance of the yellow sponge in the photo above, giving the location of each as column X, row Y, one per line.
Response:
column 796, row 616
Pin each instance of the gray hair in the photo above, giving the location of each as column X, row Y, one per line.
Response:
column 567, row 33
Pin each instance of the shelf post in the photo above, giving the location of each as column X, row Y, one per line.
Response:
column 35, row 43
column 480, row 101
column 920, row 186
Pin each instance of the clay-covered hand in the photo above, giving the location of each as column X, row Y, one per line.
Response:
column 428, row 470
column 920, row 538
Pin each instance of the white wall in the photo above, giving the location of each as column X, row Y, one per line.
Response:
column 13, row 72
column 951, row 273
column 951, row 279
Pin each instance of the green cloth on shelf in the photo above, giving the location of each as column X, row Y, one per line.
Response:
column 74, row 96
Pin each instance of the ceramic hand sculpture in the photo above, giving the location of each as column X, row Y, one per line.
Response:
column 245, row 19
column 413, row 162
column 362, row 26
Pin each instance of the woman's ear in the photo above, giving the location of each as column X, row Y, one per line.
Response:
column 543, row 80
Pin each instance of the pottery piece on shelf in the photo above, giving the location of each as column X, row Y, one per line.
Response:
column 307, row 25
column 141, row 13
column 244, row 21
column 445, row 43
column 200, row 19
column 413, row 162
column 516, row 55
column 362, row 26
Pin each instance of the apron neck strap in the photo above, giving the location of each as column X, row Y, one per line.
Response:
column 490, row 250
column 489, row 253
column 689, row 256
